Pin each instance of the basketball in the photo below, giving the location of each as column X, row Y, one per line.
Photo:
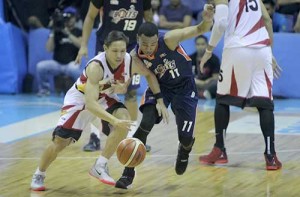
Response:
column 131, row 152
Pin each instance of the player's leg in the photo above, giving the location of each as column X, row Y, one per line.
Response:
column 184, row 106
column 132, row 106
column 115, row 136
column 233, row 86
column 63, row 135
column 149, row 119
column 260, row 96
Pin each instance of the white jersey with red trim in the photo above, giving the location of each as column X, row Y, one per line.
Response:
column 246, row 27
column 121, row 74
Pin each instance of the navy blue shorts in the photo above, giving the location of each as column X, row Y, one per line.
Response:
column 135, row 81
column 183, row 103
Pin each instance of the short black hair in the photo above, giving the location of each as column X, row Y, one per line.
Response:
column 271, row 2
column 148, row 29
column 115, row 36
column 203, row 37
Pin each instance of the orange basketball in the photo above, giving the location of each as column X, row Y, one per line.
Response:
column 131, row 152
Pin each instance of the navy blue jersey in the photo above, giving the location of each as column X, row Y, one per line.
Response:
column 121, row 15
column 172, row 68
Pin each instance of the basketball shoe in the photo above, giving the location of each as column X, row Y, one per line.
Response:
column 37, row 183
column 216, row 156
column 93, row 145
column 100, row 172
column 125, row 182
column 272, row 162
column 182, row 159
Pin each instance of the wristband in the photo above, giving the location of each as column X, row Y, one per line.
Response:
column 158, row 96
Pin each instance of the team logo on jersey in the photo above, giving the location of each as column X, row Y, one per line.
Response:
column 162, row 68
column 148, row 64
column 122, row 14
column 114, row 2
column 162, row 55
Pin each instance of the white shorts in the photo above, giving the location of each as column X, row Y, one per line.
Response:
column 73, row 113
column 246, row 73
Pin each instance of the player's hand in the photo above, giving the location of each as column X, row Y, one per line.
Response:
column 83, row 51
column 162, row 111
column 276, row 68
column 207, row 55
column 208, row 13
column 122, row 124
column 120, row 88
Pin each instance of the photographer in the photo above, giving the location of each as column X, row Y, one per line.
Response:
column 64, row 40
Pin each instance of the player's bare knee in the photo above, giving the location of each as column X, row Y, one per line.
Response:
column 61, row 143
column 130, row 96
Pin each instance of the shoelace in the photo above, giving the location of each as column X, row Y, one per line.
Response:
column 38, row 178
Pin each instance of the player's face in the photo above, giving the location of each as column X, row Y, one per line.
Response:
column 148, row 45
column 201, row 45
column 115, row 53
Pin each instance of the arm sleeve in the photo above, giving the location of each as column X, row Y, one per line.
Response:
column 147, row 4
column 97, row 3
column 220, row 25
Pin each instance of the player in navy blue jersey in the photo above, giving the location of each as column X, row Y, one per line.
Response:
column 164, row 56
column 121, row 15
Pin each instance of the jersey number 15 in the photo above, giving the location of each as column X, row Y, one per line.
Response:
column 252, row 5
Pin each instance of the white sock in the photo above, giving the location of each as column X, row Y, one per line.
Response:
column 40, row 172
column 95, row 126
column 101, row 160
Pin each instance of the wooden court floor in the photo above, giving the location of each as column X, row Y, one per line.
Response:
column 243, row 176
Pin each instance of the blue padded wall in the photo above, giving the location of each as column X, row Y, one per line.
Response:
column 13, row 58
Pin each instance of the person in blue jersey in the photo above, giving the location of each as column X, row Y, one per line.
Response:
column 120, row 15
column 165, row 57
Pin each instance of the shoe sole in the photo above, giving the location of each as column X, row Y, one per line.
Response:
column 219, row 162
column 273, row 168
column 103, row 181
column 38, row 189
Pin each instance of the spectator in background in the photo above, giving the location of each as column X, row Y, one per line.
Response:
column 291, row 9
column 175, row 15
column 64, row 41
column 280, row 22
column 155, row 4
column 206, row 82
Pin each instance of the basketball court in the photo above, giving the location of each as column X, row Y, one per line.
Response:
column 26, row 124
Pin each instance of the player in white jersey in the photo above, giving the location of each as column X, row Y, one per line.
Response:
column 246, row 74
column 94, row 95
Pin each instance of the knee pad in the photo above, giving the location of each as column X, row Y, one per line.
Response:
column 187, row 142
column 130, row 96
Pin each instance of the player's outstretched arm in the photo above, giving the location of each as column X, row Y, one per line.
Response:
column 86, row 31
column 174, row 37
column 94, row 73
column 267, row 20
column 140, row 68
column 220, row 25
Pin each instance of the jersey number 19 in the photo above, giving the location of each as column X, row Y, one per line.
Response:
column 129, row 25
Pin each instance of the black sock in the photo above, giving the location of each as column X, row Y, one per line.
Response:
column 221, row 123
column 148, row 120
column 267, row 126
